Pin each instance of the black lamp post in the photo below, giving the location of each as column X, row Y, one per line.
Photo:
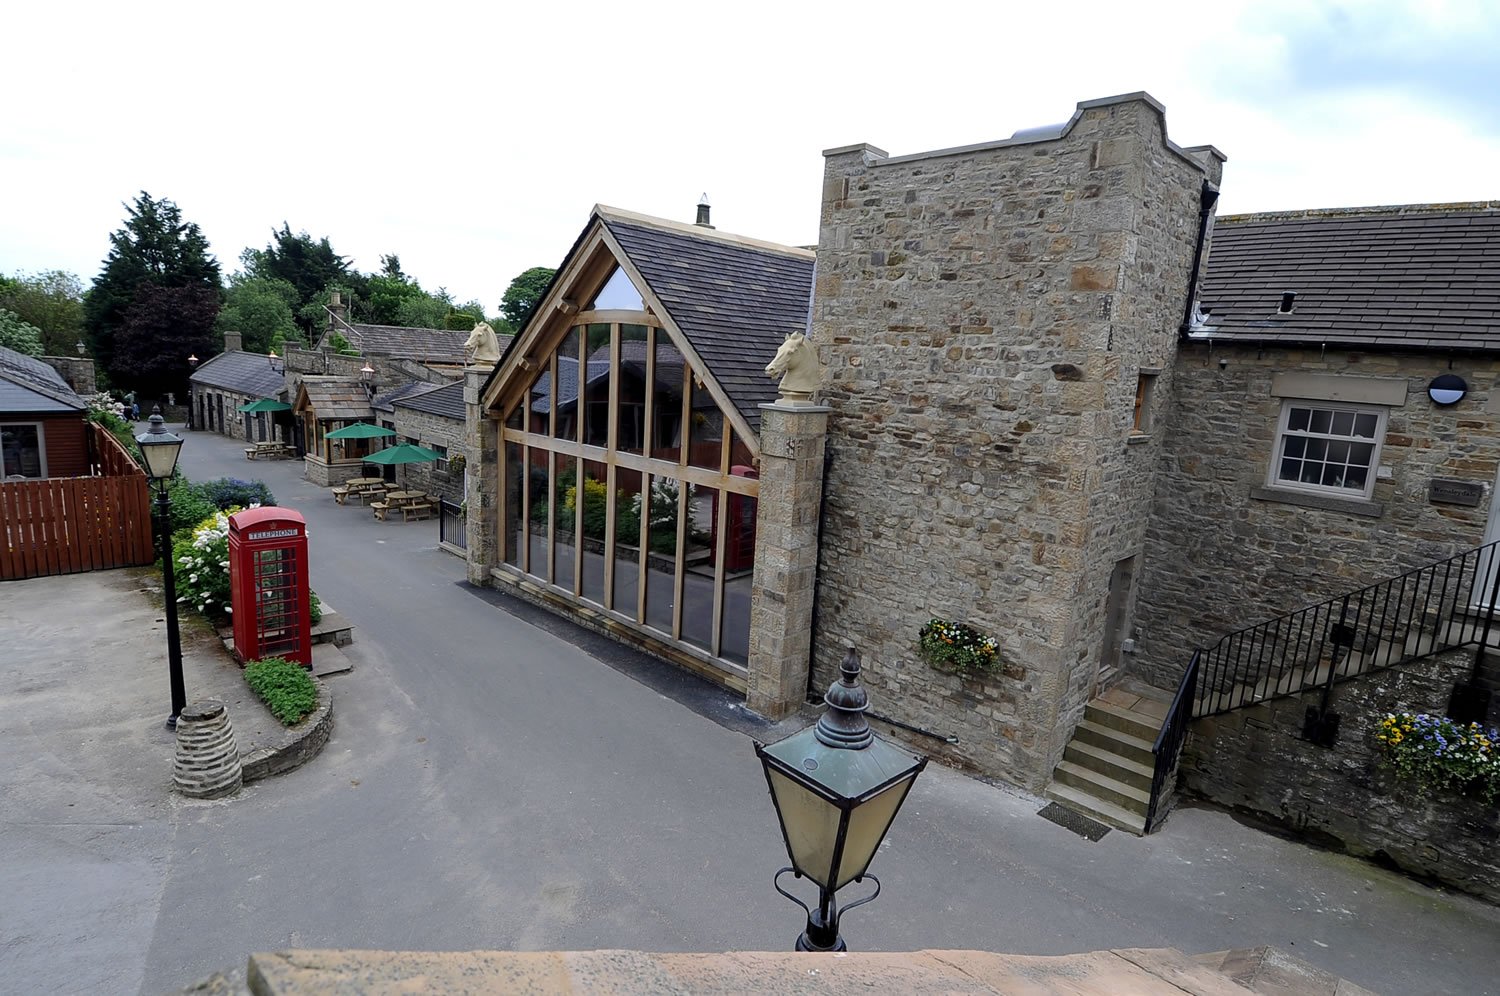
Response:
column 837, row 788
column 160, row 449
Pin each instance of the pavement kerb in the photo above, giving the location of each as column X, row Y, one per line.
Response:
column 310, row 740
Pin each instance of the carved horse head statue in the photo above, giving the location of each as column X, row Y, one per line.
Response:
column 483, row 346
column 796, row 363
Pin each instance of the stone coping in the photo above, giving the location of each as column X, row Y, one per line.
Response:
column 1138, row 971
column 298, row 745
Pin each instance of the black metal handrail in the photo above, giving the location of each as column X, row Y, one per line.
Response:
column 451, row 524
column 1169, row 741
column 1439, row 607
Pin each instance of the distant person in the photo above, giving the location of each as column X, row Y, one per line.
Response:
column 135, row 411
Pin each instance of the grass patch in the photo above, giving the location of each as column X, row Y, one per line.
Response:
column 284, row 686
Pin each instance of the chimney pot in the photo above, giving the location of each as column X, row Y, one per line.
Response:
column 703, row 212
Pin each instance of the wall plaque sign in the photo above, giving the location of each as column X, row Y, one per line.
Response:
column 1455, row 492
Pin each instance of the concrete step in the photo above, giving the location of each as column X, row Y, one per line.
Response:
column 1117, row 742
column 1109, row 814
column 1109, row 764
column 1116, row 793
column 1124, row 720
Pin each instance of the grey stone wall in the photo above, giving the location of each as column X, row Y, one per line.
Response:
column 983, row 314
column 1255, row 759
column 1222, row 553
column 234, row 421
column 78, row 371
column 432, row 430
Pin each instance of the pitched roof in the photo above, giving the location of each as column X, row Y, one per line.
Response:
column 734, row 299
column 446, row 401
column 330, row 397
column 567, row 376
column 243, row 373
column 1412, row 277
column 426, row 345
column 29, row 385
column 383, row 402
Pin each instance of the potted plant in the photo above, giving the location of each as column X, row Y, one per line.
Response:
column 958, row 647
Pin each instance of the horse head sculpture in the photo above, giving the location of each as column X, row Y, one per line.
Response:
column 483, row 346
column 796, row 363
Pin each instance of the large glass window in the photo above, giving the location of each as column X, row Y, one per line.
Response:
column 627, row 488
column 21, row 451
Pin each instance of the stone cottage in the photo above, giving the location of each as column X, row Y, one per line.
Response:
column 222, row 384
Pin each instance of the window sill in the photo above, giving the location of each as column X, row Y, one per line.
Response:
column 1329, row 503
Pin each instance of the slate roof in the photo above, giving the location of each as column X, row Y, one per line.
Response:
column 29, row 385
column 243, row 373
column 384, row 402
column 1415, row 277
column 567, row 374
column 427, row 345
column 330, row 397
column 446, row 401
column 734, row 299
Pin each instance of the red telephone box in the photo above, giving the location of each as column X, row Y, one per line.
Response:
column 268, row 585
column 739, row 527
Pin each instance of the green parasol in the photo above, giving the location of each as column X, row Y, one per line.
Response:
column 359, row 430
column 405, row 453
column 265, row 405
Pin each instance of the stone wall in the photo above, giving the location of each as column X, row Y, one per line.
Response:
column 431, row 430
column 1224, row 551
column 233, row 424
column 984, row 314
column 1256, row 760
column 78, row 371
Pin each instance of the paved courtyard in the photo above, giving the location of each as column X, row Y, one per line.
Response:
column 500, row 779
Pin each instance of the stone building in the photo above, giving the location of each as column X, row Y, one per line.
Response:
column 433, row 417
column 1060, row 403
column 222, row 384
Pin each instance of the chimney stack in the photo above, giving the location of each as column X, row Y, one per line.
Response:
column 233, row 342
column 336, row 305
column 703, row 212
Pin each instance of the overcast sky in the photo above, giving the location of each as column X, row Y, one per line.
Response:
column 471, row 139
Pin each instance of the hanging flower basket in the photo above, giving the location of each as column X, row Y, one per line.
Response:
column 958, row 647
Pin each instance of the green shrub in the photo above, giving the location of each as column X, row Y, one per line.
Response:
column 232, row 491
column 314, row 608
column 284, row 686
column 190, row 506
column 1434, row 753
column 200, row 559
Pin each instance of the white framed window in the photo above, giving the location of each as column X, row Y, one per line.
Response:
column 441, row 464
column 23, row 450
column 1328, row 448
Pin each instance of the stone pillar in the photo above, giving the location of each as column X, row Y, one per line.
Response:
column 786, row 555
column 207, row 765
column 482, row 444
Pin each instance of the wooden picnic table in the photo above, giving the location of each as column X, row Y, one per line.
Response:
column 357, row 487
column 411, row 504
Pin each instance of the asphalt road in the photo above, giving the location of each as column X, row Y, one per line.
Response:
column 500, row 779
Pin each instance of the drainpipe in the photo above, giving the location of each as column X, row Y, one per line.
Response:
column 1208, row 197
column 812, row 645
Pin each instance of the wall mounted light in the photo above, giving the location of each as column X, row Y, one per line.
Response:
column 1447, row 389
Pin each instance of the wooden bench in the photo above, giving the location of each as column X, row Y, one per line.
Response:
column 250, row 453
column 341, row 495
column 420, row 511
column 379, row 508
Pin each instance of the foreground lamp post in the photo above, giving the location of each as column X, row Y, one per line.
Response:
column 160, row 449
column 837, row 788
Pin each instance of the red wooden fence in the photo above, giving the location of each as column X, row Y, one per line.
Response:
column 62, row 525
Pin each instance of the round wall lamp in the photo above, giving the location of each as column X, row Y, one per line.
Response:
column 1447, row 389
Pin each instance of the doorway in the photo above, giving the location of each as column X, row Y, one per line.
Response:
column 1117, row 611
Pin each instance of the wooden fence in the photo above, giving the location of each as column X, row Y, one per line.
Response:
column 63, row 525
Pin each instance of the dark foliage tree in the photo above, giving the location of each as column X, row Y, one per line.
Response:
column 52, row 302
column 160, row 329
column 524, row 294
column 156, row 249
column 312, row 267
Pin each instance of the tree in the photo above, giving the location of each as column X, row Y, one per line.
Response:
column 18, row 334
column 160, row 329
column 311, row 267
column 156, row 249
column 524, row 294
column 261, row 309
column 51, row 301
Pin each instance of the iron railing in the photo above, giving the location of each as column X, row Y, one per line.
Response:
column 1168, row 746
column 1440, row 607
column 451, row 524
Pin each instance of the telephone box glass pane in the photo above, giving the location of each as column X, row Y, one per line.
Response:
column 277, row 602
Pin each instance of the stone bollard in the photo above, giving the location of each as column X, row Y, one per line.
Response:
column 208, row 762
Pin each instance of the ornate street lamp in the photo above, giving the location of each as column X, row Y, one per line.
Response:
column 276, row 362
column 192, row 360
column 837, row 788
column 160, row 449
column 80, row 347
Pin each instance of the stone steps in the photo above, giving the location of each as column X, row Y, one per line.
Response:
column 1108, row 766
column 1106, row 762
column 1275, row 973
